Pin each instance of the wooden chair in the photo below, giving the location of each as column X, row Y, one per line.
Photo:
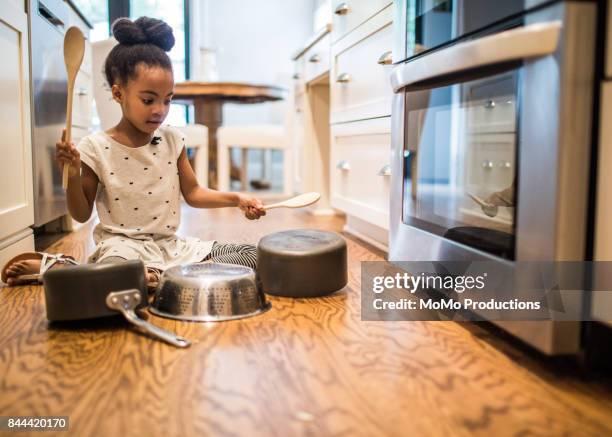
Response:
column 265, row 136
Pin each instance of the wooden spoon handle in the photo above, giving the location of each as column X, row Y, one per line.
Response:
column 65, row 176
column 68, row 137
column 274, row 205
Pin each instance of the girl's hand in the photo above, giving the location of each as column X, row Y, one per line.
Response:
column 252, row 207
column 68, row 153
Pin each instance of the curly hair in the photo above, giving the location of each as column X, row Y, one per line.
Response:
column 144, row 40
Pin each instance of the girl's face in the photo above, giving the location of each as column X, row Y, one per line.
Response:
column 145, row 99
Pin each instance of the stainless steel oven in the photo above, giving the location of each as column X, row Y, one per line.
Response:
column 491, row 138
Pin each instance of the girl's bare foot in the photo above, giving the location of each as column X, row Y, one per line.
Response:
column 20, row 268
column 153, row 277
column 26, row 264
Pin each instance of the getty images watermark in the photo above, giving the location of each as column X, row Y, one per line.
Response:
column 448, row 290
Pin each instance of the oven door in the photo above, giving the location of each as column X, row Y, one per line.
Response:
column 490, row 150
column 460, row 161
column 430, row 24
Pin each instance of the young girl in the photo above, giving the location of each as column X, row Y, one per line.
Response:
column 136, row 171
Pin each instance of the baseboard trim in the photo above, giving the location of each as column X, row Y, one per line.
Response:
column 369, row 240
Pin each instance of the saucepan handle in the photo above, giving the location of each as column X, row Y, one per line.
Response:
column 126, row 301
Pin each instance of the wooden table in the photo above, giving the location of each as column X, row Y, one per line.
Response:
column 208, row 99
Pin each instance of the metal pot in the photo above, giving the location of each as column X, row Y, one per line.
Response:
column 208, row 292
column 91, row 291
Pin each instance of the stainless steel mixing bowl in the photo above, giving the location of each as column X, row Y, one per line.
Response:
column 208, row 292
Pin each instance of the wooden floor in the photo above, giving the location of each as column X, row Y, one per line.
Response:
column 306, row 367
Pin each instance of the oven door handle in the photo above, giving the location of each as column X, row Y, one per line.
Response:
column 527, row 42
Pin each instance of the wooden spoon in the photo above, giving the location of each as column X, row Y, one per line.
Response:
column 74, row 49
column 488, row 208
column 296, row 202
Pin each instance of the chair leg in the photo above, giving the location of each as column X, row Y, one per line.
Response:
column 223, row 167
column 244, row 179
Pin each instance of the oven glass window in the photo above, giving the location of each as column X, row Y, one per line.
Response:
column 433, row 23
column 460, row 161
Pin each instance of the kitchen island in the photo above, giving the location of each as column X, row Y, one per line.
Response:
column 306, row 367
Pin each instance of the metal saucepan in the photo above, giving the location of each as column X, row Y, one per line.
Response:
column 101, row 290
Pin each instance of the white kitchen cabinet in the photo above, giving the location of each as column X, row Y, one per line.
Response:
column 360, row 70
column 342, row 131
column 360, row 173
column 16, row 196
column 349, row 14
column 360, row 109
column 317, row 59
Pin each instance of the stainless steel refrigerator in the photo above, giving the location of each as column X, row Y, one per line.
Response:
column 48, row 21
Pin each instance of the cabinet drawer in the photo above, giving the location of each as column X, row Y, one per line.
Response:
column 317, row 59
column 348, row 14
column 360, row 172
column 81, row 101
column 360, row 84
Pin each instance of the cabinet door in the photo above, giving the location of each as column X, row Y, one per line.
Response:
column 360, row 173
column 360, row 87
column 349, row 14
column 16, row 208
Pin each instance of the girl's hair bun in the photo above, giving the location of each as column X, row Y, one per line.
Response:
column 144, row 30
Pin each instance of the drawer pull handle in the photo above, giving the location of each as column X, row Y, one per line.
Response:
column 386, row 58
column 385, row 171
column 296, row 76
column 315, row 58
column 341, row 9
column 82, row 92
column 343, row 78
column 343, row 165
column 487, row 164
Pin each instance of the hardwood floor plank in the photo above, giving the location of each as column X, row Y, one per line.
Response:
column 306, row 367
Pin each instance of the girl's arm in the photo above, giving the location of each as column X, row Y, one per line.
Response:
column 82, row 181
column 201, row 197
column 81, row 193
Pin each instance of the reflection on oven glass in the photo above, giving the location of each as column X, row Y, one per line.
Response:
column 434, row 23
column 460, row 162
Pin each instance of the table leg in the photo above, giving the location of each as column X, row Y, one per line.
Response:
column 210, row 114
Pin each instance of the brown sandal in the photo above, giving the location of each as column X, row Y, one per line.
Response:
column 47, row 260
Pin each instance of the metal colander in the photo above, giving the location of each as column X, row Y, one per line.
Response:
column 208, row 292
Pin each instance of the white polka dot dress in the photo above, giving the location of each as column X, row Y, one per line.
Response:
column 138, row 200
